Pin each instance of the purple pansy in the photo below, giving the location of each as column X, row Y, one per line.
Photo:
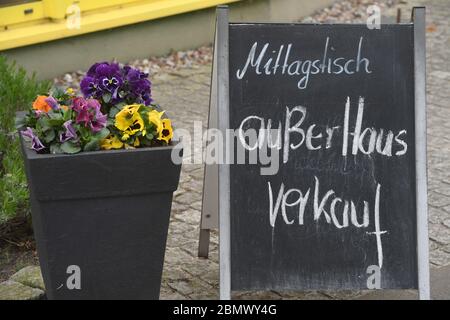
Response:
column 69, row 134
column 89, row 114
column 36, row 144
column 102, row 78
column 109, row 77
column 88, row 86
column 124, row 84
column 138, row 85
column 52, row 103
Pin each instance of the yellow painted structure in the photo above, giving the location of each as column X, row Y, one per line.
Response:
column 45, row 20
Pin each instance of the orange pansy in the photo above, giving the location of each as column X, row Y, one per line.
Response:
column 41, row 105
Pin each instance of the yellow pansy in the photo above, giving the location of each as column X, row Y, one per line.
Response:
column 154, row 117
column 166, row 133
column 129, row 120
column 111, row 142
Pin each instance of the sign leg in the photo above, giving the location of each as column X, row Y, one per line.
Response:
column 418, row 17
column 210, row 201
column 224, row 168
column 203, row 243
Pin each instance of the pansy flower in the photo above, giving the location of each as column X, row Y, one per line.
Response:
column 122, row 83
column 166, row 133
column 70, row 133
column 109, row 77
column 36, row 144
column 139, row 85
column 88, row 86
column 111, row 142
column 129, row 121
column 70, row 91
column 52, row 103
column 89, row 114
column 41, row 104
column 102, row 78
column 154, row 117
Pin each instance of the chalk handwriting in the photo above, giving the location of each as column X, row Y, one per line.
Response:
column 325, row 207
column 356, row 139
column 264, row 60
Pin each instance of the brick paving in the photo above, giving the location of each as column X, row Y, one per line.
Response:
column 186, row 94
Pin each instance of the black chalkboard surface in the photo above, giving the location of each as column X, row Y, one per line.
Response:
column 343, row 199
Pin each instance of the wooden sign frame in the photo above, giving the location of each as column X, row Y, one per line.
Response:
column 216, row 189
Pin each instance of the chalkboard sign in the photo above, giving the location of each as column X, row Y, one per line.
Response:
column 322, row 188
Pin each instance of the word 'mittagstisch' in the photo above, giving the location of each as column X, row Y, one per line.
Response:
column 268, row 61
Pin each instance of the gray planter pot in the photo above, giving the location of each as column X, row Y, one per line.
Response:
column 105, row 212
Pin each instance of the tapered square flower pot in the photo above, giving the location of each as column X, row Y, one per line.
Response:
column 106, row 213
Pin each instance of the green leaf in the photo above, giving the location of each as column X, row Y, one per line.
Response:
column 56, row 119
column 70, row 147
column 67, row 115
column 55, row 123
column 102, row 134
column 109, row 122
column 114, row 110
column 84, row 132
column 55, row 148
column 49, row 136
column 43, row 124
column 149, row 136
column 92, row 145
column 57, row 91
column 55, row 115
column 107, row 97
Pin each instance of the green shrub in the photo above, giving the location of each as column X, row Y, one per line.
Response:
column 17, row 91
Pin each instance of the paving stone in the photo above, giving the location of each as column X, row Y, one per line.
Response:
column 175, row 273
column 178, row 207
column 446, row 248
column 446, row 223
column 256, row 295
column 11, row 290
column 210, row 276
column 189, row 286
column 433, row 245
column 309, row 295
column 188, row 198
column 167, row 293
column 440, row 258
column 196, row 205
column 437, row 215
column 438, row 200
column 439, row 233
column 30, row 276
column 176, row 257
column 204, row 295
column 189, row 216
column 343, row 294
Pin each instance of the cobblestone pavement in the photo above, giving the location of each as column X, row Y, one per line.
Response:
column 186, row 94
